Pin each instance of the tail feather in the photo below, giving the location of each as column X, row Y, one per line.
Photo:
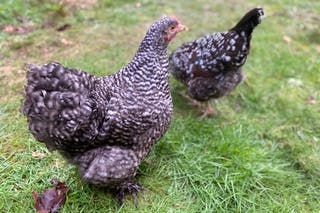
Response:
column 57, row 101
column 249, row 21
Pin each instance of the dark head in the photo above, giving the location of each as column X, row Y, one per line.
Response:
column 163, row 31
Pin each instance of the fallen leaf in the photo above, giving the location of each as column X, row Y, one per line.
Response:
column 63, row 27
column 65, row 41
column 7, row 147
column 148, row 161
column 50, row 200
column 20, row 150
column 287, row 39
column 137, row 5
column 38, row 154
column 11, row 29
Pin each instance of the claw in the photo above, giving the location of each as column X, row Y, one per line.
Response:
column 128, row 188
column 135, row 201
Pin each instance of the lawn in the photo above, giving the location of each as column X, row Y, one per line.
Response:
column 260, row 153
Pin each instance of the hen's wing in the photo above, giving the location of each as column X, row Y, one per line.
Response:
column 210, row 55
column 127, row 116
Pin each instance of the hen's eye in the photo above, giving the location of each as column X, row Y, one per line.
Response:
column 171, row 28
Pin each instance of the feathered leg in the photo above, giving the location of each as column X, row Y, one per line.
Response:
column 114, row 167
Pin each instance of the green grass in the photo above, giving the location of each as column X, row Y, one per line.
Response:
column 261, row 153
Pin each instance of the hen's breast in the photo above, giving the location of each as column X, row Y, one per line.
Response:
column 140, row 100
column 132, row 112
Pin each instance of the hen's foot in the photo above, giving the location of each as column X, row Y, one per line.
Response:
column 128, row 188
column 208, row 111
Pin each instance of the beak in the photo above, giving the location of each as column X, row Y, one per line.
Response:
column 181, row 27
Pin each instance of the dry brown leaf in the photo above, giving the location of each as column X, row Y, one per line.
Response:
column 148, row 161
column 65, row 42
column 50, row 200
column 63, row 27
column 38, row 154
column 137, row 5
column 11, row 29
column 287, row 39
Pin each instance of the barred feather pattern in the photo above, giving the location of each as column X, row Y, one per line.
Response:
column 210, row 66
column 105, row 125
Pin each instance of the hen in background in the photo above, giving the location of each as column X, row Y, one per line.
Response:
column 210, row 66
column 105, row 125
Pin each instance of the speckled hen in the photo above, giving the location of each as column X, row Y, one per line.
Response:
column 210, row 66
column 105, row 125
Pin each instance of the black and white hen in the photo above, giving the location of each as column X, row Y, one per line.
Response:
column 210, row 66
column 105, row 125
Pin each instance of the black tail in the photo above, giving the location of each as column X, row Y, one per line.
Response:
column 249, row 21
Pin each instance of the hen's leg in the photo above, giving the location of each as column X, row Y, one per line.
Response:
column 113, row 167
column 191, row 101
column 208, row 111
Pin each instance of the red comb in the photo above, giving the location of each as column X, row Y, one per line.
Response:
column 175, row 18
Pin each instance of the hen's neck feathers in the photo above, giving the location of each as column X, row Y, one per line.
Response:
column 150, row 63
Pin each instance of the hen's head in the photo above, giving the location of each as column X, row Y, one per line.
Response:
column 171, row 26
column 164, row 30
